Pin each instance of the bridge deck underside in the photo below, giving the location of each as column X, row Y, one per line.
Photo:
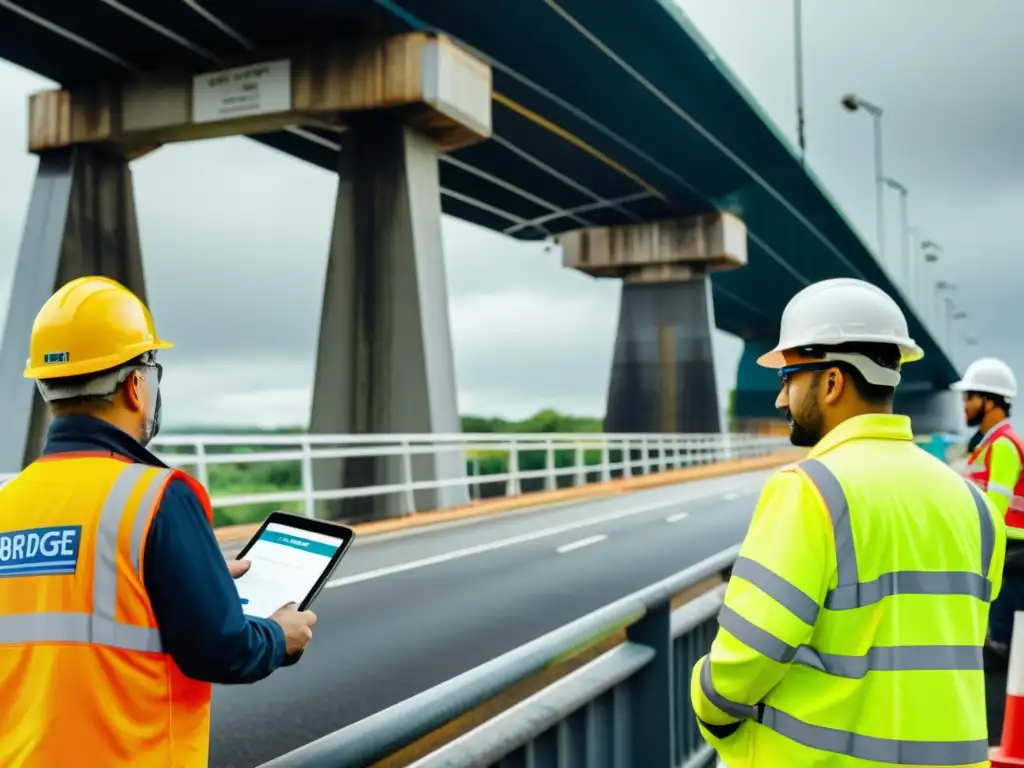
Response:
column 594, row 124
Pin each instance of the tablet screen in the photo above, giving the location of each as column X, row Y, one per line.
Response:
column 286, row 563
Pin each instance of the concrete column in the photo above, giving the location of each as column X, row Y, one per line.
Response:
column 384, row 362
column 81, row 221
column 663, row 373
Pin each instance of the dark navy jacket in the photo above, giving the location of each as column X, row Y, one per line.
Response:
column 194, row 600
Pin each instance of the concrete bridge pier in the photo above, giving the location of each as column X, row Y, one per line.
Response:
column 81, row 221
column 663, row 373
column 384, row 360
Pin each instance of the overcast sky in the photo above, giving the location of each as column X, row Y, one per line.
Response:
column 235, row 235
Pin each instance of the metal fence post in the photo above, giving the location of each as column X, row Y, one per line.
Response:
column 550, row 480
column 606, row 461
column 652, row 693
column 581, row 465
column 407, row 479
column 307, row 478
column 202, row 468
column 512, row 485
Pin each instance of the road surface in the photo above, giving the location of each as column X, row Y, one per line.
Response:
column 407, row 611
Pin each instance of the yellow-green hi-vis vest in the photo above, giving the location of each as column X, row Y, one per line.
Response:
column 853, row 626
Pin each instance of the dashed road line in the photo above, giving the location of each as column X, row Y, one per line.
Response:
column 580, row 544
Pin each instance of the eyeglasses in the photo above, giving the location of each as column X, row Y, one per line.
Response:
column 786, row 372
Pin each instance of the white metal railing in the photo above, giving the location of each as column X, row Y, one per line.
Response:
column 637, row 454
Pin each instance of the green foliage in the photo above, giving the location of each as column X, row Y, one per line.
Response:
column 546, row 421
column 238, row 479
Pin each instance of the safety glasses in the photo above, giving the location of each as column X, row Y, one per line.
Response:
column 154, row 366
column 786, row 372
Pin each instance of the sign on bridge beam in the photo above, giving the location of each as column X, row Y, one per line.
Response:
column 438, row 88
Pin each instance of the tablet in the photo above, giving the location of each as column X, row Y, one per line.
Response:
column 292, row 558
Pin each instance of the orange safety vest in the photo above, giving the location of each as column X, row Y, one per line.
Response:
column 83, row 677
column 979, row 468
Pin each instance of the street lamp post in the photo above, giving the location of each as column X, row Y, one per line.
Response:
column 944, row 319
column 959, row 315
column 798, row 55
column 908, row 278
column 852, row 102
column 931, row 251
column 949, row 324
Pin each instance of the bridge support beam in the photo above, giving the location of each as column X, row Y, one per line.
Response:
column 81, row 221
column 384, row 361
column 663, row 373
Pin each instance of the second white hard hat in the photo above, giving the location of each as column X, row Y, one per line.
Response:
column 989, row 375
column 840, row 311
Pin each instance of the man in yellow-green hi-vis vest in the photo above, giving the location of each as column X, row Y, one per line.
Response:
column 855, row 618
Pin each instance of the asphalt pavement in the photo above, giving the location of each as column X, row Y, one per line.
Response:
column 409, row 610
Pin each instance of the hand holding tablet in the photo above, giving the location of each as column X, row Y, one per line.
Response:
column 292, row 558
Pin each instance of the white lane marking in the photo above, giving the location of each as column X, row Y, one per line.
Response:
column 580, row 543
column 731, row 496
column 511, row 541
column 677, row 517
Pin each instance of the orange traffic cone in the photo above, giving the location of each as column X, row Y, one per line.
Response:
column 1010, row 754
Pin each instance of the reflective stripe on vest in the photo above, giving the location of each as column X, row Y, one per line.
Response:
column 99, row 627
column 850, row 593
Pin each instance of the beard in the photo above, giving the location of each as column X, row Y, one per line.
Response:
column 803, row 435
column 805, row 429
column 151, row 428
column 975, row 420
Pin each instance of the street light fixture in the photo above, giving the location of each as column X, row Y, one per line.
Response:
column 852, row 102
column 947, row 321
column 931, row 251
column 969, row 340
column 907, row 266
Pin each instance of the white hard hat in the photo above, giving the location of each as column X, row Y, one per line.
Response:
column 989, row 375
column 840, row 311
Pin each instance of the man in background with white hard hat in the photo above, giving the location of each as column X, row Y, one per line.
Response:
column 995, row 463
column 855, row 616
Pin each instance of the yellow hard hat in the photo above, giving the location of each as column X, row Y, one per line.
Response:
column 89, row 325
